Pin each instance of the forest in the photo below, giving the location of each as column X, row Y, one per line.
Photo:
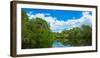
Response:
column 36, row 33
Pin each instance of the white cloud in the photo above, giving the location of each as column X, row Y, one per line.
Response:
column 58, row 26
column 37, row 15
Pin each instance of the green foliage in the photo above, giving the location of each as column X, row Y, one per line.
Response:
column 79, row 36
column 36, row 33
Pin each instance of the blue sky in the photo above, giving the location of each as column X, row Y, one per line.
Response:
column 61, row 19
column 59, row 14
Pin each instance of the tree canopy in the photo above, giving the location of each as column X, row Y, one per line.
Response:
column 36, row 33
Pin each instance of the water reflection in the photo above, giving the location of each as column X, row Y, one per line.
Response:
column 59, row 44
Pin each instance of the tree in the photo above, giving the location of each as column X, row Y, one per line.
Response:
column 25, row 30
column 36, row 33
column 42, row 33
column 79, row 36
column 87, row 35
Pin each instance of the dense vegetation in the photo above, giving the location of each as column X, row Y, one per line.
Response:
column 36, row 33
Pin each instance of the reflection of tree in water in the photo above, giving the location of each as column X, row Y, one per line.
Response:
column 36, row 33
column 59, row 42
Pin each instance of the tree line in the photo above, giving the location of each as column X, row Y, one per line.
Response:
column 36, row 33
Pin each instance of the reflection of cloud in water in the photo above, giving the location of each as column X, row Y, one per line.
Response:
column 58, row 44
